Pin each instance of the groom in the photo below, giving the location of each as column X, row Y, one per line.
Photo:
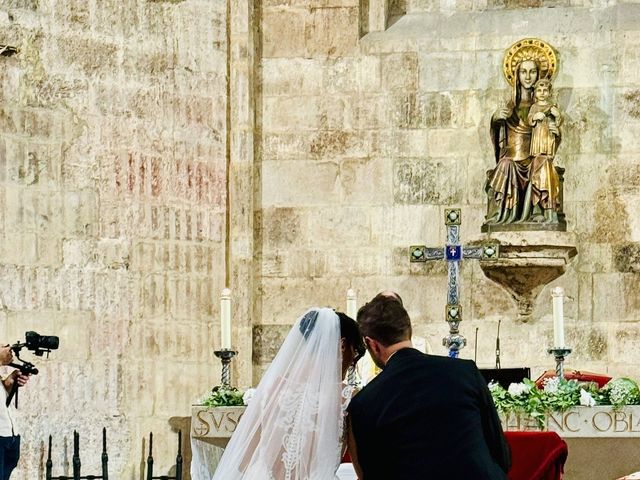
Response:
column 423, row 416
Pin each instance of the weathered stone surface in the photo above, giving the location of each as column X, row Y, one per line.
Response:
column 627, row 257
column 267, row 340
column 331, row 32
column 423, row 182
column 101, row 178
column 284, row 227
column 283, row 32
column 118, row 121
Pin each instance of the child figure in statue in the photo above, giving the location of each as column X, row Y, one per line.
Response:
column 544, row 116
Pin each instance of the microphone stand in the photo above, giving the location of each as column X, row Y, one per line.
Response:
column 498, row 347
column 475, row 353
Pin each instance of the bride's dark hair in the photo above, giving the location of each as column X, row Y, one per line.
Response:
column 308, row 322
column 350, row 331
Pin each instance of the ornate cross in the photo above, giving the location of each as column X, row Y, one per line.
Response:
column 453, row 253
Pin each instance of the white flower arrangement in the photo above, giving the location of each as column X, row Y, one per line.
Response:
column 518, row 389
column 586, row 400
column 552, row 385
column 248, row 395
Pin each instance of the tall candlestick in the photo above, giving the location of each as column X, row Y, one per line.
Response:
column 352, row 304
column 558, row 317
column 225, row 319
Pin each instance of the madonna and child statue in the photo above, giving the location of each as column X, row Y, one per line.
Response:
column 524, row 190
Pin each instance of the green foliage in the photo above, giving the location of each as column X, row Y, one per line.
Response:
column 224, row 397
column 561, row 395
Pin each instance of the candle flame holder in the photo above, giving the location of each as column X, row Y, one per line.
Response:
column 560, row 353
column 225, row 355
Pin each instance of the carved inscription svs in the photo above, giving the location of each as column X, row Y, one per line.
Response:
column 215, row 422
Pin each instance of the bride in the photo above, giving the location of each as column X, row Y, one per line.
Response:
column 293, row 428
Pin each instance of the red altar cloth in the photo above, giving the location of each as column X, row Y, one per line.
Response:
column 598, row 378
column 536, row 455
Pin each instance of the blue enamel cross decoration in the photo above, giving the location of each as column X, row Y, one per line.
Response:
column 453, row 253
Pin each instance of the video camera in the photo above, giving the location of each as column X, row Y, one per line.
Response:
column 39, row 345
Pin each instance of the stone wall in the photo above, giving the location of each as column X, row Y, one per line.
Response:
column 365, row 141
column 113, row 139
column 154, row 151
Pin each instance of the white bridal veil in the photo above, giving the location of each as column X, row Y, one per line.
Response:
column 292, row 428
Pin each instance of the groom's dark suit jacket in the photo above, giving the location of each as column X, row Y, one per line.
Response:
column 426, row 417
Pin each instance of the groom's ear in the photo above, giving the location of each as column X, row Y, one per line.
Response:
column 372, row 344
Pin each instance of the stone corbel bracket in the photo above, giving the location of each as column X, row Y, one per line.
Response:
column 528, row 261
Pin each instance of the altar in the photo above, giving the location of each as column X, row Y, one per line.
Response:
column 603, row 443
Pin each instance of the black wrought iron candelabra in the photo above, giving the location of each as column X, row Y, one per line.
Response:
column 560, row 353
column 225, row 355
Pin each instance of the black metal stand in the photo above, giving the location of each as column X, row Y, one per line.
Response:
column 76, row 464
column 560, row 354
column 225, row 355
column 178, row 475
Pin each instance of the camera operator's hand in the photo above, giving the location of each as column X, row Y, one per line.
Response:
column 14, row 377
column 6, row 355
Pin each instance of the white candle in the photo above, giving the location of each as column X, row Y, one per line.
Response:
column 225, row 319
column 352, row 304
column 558, row 317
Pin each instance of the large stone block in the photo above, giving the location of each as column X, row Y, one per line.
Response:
column 285, row 146
column 631, row 212
column 284, row 32
column 399, row 71
column 453, row 142
column 342, row 75
column 406, row 225
column 422, row 110
column 597, row 257
column 366, row 182
column 371, row 112
column 280, row 306
column 616, row 298
column 281, row 227
column 267, row 340
column 330, row 143
column 627, row 257
column 429, row 181
column 90, row 56
column 331, row 32
column 280, row 112
column 587, row 175
column 339, row 226
column 406, row 144
column 307, row 183
column 587, row 123
column 292, row 76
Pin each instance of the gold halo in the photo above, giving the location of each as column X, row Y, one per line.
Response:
column 530, row 49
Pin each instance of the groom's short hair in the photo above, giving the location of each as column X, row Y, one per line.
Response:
column 384, row 319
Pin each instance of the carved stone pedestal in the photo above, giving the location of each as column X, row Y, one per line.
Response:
column 211, row 429
column 528, row 261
